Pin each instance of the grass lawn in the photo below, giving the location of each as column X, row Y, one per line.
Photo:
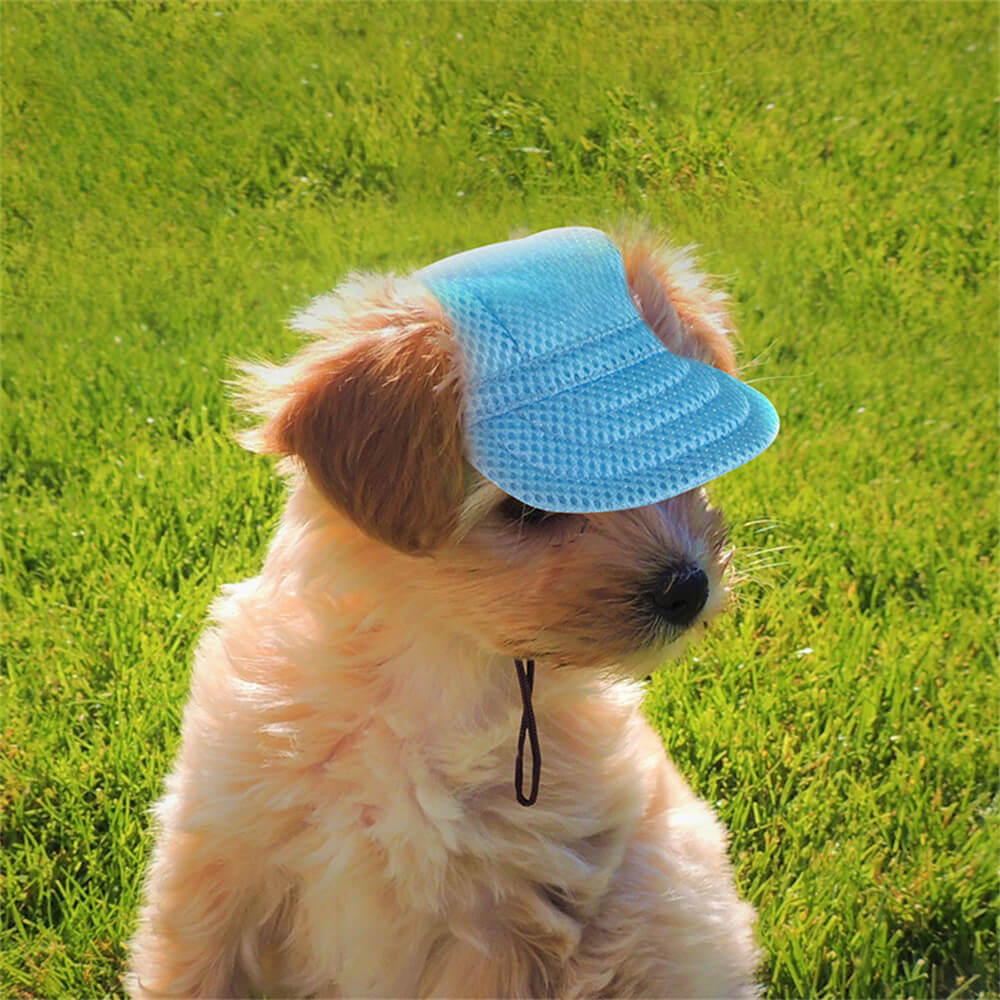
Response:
column 178, row 177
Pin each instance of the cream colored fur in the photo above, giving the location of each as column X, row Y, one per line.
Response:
column 340, row 820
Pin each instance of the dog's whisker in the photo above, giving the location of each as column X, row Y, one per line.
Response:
column 763, row 526
column 756, row 564
column 776, row 378
column 757, row 576
column 755, row 553
column 764, row 565
column 762, row 357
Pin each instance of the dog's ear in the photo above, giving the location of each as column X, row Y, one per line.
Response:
column 676, row 301
column 375, row 419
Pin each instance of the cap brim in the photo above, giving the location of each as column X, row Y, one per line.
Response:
column 638, row 435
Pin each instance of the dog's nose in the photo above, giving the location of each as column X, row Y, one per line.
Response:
column 679, row 594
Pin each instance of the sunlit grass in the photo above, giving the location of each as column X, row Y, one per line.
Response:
column 178, row 178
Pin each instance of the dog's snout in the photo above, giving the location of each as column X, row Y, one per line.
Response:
column 679, row 594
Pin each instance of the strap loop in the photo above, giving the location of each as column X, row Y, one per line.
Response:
column 526, row 680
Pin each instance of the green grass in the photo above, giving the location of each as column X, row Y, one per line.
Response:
column 178, row 177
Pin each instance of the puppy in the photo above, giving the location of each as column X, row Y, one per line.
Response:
column 340, row 820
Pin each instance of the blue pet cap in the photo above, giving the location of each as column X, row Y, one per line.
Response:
column 572, row 402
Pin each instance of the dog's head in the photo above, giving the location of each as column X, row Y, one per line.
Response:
column 370, row 414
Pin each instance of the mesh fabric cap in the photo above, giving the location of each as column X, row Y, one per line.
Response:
column 572, row 402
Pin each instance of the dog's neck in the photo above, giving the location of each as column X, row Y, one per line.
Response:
column 430, row 686
column 445, row 683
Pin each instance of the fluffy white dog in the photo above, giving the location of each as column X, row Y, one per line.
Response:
column 340, row 820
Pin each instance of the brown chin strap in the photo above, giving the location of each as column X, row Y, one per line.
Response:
column 526, row 680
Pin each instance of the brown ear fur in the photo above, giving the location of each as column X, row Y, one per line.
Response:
column 377, row 425
column 677, row 302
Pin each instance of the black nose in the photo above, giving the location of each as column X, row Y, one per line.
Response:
column 679, row 594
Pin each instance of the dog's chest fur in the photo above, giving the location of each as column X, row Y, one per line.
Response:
column 383, row 808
